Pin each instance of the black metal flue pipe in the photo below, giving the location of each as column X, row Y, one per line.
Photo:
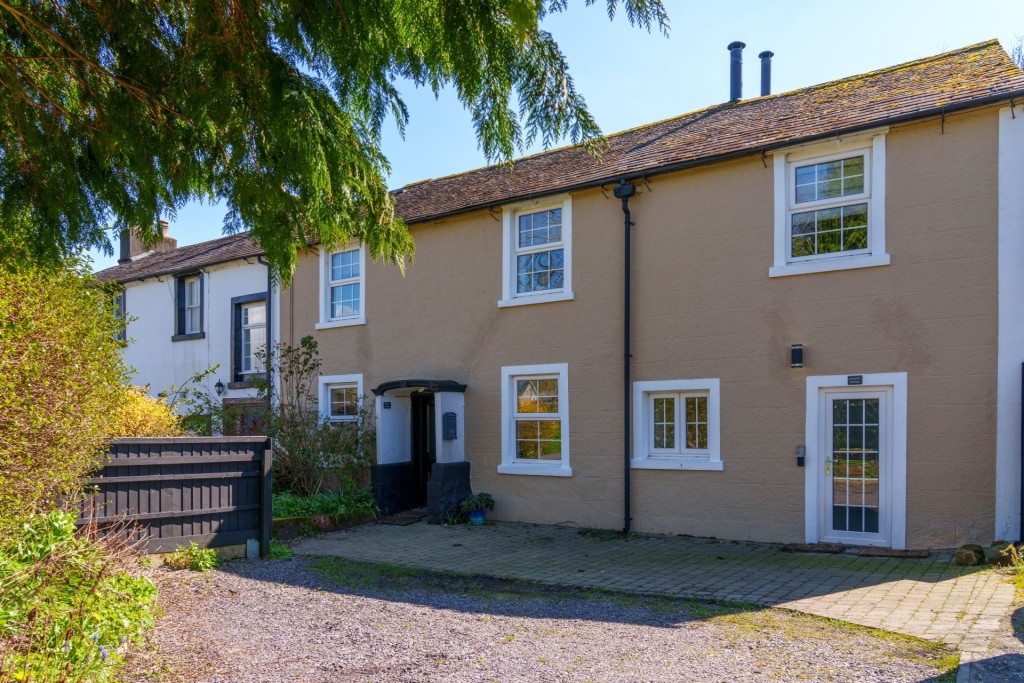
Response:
column 736, row 70
column 766, row 72
column 623, row 191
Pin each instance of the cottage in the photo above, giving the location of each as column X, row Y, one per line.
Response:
column 794, row 317
column 193, row 308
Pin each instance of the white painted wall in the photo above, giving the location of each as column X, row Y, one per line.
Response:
column 156, row 360
column 1011, row 321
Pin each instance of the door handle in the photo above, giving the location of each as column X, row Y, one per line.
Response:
column 828, row 465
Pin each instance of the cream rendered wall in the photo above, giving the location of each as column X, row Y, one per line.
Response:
column 704, row 306
column 159, row 362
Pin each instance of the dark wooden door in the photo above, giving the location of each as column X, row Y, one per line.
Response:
column 423, row 454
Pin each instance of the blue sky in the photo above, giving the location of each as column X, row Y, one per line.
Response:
column 630, row 77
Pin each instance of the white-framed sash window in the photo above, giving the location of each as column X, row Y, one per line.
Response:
column 830, row 205
column 342, row 287
column 535, row 420
column 537, row 252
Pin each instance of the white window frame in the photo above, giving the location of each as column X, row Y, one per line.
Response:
column 254, row 370
column 191, row 304
column 645, row 456
column 872, row 146
column 510, row 239
column 328, row 382
column 509, row 463
column 326, row 322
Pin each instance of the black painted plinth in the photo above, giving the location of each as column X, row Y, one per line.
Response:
column 392, row 487
column 448, row 486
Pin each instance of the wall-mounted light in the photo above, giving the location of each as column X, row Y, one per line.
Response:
column 219, row 388
column 796, row 356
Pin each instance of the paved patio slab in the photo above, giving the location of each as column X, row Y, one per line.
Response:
column 929, row 598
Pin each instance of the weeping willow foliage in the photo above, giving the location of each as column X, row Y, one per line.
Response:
column 115, row 113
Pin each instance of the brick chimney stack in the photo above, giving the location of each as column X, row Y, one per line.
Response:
column 132, row 247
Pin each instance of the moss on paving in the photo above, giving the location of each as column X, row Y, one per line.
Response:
column 736, row 619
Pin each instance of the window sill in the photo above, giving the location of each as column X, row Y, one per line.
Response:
column 188, row 337
column 828, row 264
column 348, row 322
column 677, row 464
column 537, row 299
column 536, row 470
column 245, row 384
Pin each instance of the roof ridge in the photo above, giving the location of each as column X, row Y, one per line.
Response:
column 884, row 70
column 720, row 105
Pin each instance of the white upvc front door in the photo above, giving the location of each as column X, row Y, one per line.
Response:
column 856, row 487
column 856, row 459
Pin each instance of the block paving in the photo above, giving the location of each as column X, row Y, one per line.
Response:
column 932, row 598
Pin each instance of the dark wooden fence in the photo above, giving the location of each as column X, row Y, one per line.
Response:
column 211, row 490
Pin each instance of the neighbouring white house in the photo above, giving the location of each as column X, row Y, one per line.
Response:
column 194, row 307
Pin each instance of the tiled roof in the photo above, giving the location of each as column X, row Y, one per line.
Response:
column 920, row 88
column 184, row 259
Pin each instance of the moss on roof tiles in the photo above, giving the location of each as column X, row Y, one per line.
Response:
column 963, row 75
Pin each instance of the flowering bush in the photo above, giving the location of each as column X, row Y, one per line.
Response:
column 142, row 415
column 69, row 603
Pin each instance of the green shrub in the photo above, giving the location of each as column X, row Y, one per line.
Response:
column 311, row 453
column 337, row 505
column 68, row 604
column 279, row 551
column 61, row 385
column 477, row 502
column 193, row 557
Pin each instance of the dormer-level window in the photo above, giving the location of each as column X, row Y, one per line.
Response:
column 193, row 306
column 830, row 206
column 342, row 287
column 189, row 308
column 537, row 252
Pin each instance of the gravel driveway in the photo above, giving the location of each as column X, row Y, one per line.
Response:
column 327, row 619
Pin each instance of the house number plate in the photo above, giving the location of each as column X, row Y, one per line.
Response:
column 854, row 380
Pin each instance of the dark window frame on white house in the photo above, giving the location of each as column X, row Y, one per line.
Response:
column 239, row 379
column 182, row 330
column 121, row 314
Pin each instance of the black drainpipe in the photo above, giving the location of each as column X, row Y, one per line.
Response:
column 1020, row 533
column 624, row 191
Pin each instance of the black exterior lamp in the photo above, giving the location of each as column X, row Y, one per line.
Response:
column 219, row 388
column 796, row 356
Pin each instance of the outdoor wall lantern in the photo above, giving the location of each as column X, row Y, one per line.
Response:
column 796, row 356
column 219, row 388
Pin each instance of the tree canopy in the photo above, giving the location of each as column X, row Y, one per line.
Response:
column 113, row 114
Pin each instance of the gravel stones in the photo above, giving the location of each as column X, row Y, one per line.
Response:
column 282, row 621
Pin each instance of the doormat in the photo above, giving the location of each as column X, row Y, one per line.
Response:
column 404, row 518
column 832, row 548
column 889, row 552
